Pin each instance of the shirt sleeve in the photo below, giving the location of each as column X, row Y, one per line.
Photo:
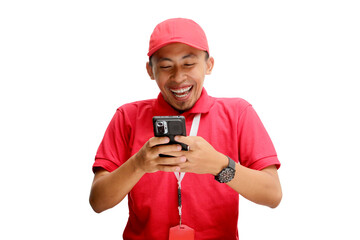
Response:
column 113, row 149
column 256, row 148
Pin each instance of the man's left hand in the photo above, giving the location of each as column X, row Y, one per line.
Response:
column 201, row 158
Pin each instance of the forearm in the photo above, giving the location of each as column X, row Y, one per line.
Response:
column 109, row 189
column 262, row 187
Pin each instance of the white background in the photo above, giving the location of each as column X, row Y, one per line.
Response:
column 65, row 66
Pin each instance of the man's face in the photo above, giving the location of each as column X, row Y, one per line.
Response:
column 179, row 71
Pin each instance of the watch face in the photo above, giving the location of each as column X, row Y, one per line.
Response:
column 226, row 175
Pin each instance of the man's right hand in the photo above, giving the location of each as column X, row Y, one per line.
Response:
column 147, row 159
column 109, row 189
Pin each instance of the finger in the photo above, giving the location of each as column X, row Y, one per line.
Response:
column 191, row 141
column 177, row 153
column 167, row 168
column 163, row 149
column 171, row 160
column 184, row 167
column 183, row 139
column 158, row 141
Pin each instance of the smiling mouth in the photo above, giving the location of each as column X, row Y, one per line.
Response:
column 181, row 92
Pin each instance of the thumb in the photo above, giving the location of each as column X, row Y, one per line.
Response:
column 182, row 139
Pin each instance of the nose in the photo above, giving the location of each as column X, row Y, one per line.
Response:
column 178, row 75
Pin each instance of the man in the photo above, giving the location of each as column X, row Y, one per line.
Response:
column 232, row 153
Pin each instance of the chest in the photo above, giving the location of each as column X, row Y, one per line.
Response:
column 219, row 131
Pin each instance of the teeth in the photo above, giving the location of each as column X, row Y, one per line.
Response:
column 179, row 91
column 181, row 96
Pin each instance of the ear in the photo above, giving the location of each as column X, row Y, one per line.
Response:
column 209, row 65
column 150, row 71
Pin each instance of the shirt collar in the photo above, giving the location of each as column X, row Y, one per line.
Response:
column 202, row 105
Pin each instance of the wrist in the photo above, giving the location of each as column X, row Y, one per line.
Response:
column 135, row 168
column 223, row 162
column 228, row 173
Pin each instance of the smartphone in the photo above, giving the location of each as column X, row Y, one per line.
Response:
column 170, row 126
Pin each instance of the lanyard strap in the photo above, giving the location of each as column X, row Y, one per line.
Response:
column 193, row 132
column 180, row 176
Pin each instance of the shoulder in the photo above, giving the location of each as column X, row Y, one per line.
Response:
column 137, row 106
column 233, row 105
column 130, row 112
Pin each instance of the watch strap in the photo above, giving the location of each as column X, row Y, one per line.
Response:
column 231, row 163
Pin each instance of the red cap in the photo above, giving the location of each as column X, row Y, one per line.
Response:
column 178, row 30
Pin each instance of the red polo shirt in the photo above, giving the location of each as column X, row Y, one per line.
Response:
column 230, row 125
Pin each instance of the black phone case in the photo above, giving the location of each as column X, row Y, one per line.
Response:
column 170, row 134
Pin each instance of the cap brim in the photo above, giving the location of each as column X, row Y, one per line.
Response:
column 153, row 50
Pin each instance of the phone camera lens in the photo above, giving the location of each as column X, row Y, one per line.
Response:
column 161, row 127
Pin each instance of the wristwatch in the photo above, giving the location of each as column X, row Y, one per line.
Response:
column 227, row 174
